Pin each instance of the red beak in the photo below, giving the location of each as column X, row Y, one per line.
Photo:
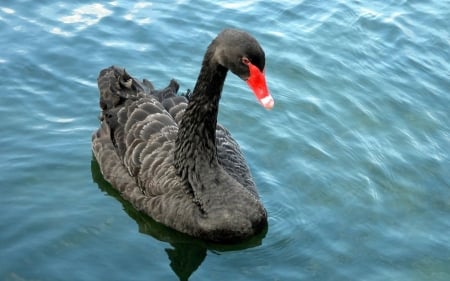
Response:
column 257, row 82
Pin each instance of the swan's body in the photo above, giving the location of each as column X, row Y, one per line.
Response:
column 167, row 155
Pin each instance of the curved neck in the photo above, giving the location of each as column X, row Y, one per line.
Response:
column 195, row 145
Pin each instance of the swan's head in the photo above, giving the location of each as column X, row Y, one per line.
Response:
column 241, row 54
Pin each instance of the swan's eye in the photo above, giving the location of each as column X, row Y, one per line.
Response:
column 245, row 61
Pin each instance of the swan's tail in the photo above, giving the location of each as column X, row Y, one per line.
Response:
column 121, row 94
column 117, row 86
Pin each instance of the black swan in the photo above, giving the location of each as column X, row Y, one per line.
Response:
column 166, row 154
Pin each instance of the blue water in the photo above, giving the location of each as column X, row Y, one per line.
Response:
column 352, row 163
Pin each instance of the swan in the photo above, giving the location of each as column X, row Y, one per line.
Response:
column 166, row 154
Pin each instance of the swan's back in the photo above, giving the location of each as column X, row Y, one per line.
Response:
column 134, row 148
column 136, row 138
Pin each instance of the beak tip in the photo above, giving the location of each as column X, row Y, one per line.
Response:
column 267, row 102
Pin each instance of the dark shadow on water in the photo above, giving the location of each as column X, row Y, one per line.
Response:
column 186, row 253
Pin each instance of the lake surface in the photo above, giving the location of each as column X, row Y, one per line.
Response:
column 352, row 163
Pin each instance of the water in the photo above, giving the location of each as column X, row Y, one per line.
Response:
column 352, row 163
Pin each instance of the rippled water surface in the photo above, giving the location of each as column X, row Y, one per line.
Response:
column 352, row 163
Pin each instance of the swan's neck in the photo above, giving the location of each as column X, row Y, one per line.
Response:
column 195, row 148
